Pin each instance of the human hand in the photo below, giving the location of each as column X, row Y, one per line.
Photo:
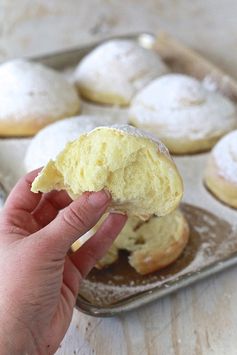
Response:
column 39, row 281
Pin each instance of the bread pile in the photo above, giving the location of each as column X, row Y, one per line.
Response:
column 86, row 153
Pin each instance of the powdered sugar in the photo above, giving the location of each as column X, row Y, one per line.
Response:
column 209, row 83
column 179, row 106
column 52, row 139
column 119, row 67
column 113, row 114
column 206, row 249
column 136, row 132
column 38, row 93
column 225, row 155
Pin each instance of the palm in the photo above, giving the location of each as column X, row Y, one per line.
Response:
column 63, row 274
column 36, row 233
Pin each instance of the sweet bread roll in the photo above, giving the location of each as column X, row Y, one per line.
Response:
column 184, row 114
column 110, row 257
column 114, row 71
column 32, row 96
column 153, row 244
column 221, row 170
column 135, row 168
column 51, row 140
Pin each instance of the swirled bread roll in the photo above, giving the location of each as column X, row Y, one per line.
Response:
column 183, row 113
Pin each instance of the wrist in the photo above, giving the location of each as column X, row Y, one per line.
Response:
column 14, row 338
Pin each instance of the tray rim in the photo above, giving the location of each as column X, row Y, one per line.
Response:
column 74, row 50
column 145, row 297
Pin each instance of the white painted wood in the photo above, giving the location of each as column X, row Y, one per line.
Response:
column 201, row 319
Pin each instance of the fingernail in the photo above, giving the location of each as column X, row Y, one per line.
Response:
column 99, row 199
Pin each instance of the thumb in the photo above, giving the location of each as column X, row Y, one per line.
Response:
column 73, row 221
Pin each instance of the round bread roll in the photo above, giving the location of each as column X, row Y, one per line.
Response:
column 51, row 140
column 114, row 71
column 32, row 96
column 184, row 114
column 153, row 244
column 135, row 168
column 221, row 171
column 110, row 257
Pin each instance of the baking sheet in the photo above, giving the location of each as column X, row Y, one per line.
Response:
column 213, row 242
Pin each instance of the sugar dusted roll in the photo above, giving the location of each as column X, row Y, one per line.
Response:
column 49, row 141
column 221, row 170
column 186, row 115
column 33, row 96
column 132, row 165
column 114, row 71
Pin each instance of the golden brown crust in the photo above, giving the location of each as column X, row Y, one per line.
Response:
column 152, row 245
column 102, row 97
column 30, row 125
column 110, row 257
column 150, row 261
column 179, row 146
column 33, row 96
column 221, row 188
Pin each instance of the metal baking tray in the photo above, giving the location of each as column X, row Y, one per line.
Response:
column 213, row 242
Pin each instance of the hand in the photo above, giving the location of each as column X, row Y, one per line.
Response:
column 39, row 281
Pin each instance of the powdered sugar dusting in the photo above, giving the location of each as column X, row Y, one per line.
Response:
column 119, row 67
column 225, row 155
column 51, row 140
column 136, row 132
column 38, row 93
column 209, row 83
column 179, row 106
column 113, row 114
column 206, row 249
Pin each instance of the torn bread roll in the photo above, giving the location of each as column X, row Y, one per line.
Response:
column 152, row 245
column 51, row 140
column 132, row 165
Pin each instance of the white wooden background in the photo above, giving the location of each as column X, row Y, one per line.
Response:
column 201, row 319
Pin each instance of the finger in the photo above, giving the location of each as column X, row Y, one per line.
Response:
column 97, row 246
column 71, row 278
column 74, row 221
column 21, row 197
column 49, row 206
